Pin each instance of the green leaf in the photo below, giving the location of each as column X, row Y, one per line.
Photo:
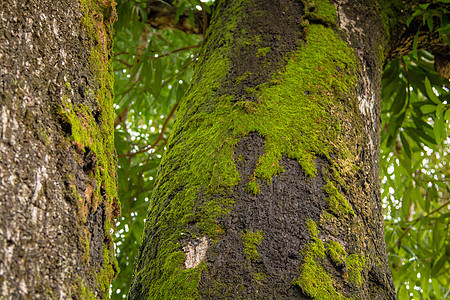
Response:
column 180, row 10
column 415, row 42
column 406, row 202
column 438, row 265
column 405, row 144
column 430, row 92
column 438, row 129
column 417, row 196
column 430, row 22
column 428, row 108
column 191, row 18
column 403, row 293
column 408, row 250
column 447, row 115
column 142, row 13
column 399, row 101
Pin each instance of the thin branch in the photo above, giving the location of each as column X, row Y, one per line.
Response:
column 158, row 139
column 120, row 53
column 122, row 116
column 127, row 91
column 124, row 62
column 417, row 220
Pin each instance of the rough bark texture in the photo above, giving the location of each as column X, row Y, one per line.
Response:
column 269, row 188
column 57, row 165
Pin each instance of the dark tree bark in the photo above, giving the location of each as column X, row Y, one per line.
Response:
column 57, row 161
column 269, row 188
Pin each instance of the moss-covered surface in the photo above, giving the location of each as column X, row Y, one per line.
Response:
column 314, row 280
column 251, row 241
column 304, row 108
column 262, row 51
column 338, row 204
column 320, row 11
column 355, row 264
column 92, row 133
column 335, row 251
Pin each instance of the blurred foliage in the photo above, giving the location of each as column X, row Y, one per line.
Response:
column 153, row 69
column 415, row 176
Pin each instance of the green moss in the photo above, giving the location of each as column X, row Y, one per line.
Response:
column 314, row 280
column 299, row 114
column 175, row 281
column 260, row 276
column 43, row 136
column 254, row 40
column 251, row 241
column 249, row 106
column 336, row 252
column 312, row 228
column 337, row 203
column 320, row 11
column 253, row 187
column 97, row 133
column 242, row 77
column 210, row 213
column 355, row 265
column 109, row 270
column 262, row 51
column 86, row 294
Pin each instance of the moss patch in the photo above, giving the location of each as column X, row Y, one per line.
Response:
column 251, row 241
column 355, row 265
column 262, row 51
column 314, row 280
column 336, row 252
column 337, row 203
column 320, row 11
column 92, row 134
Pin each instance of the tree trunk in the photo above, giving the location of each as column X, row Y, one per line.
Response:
column 269, row 188
column 57, row 161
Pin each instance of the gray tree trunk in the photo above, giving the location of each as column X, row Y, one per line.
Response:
column 57, row 165
column 269, row 188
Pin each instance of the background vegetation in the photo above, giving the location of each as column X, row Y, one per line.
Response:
column 153, row 69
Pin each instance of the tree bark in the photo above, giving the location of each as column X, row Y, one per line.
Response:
column 269, row 188
column 57, row 161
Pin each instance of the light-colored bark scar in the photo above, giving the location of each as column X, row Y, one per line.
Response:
column 366, row 95
column 195, row 252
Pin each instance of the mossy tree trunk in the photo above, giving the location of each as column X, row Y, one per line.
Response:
column 269, row 188
column 57, row 161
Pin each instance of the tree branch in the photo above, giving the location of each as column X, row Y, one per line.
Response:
column 399, row 242
column 158, row 139
column 402, row 37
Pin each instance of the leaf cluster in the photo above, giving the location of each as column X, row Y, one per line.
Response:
column 415, row 176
